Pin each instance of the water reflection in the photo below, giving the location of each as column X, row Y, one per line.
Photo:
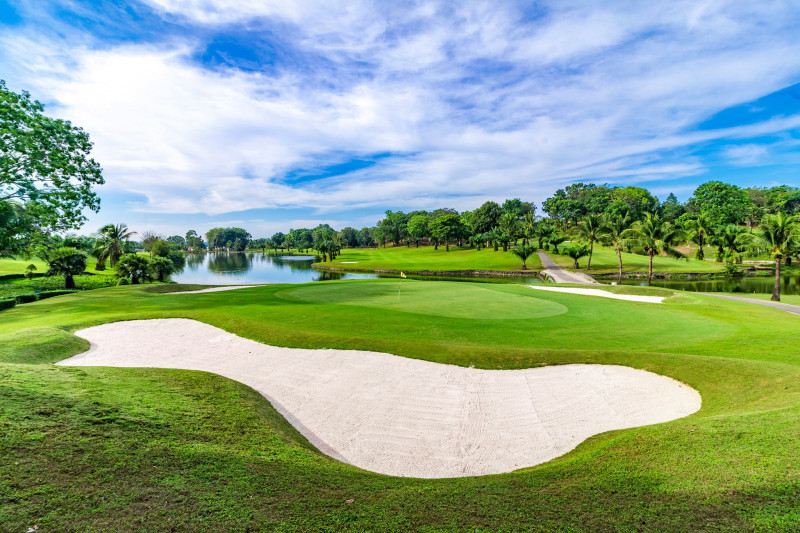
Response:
column 744, row 284
column 242, row 268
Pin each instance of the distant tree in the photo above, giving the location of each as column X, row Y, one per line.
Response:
column 149, row 238
column 67, row 262
column 778, row 235
column 367, row 237
column 112, row 244
column 446, row 228
column 555, row 239
column 542, row 231
column 349, row 237
column 178, row 241
column 194, row 241
column 671, row 209
column 700, row 232
column 509, row 228
column 486, row 217
column 589, row 230
column 612, row 233
column 523, row 252
column 134, row 267
column 576, row 252
column 418, row 228
column 394, row 226
column 226, row 238
column 278, row 239
column 655, row 236
column 722, row 203
column 161, row 268
column 633, row 201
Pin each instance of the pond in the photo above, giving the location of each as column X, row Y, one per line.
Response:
column 743, row 284
column 244, row 268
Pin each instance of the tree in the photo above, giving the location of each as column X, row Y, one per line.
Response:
column 226, row 239
column 45, row 165
column 509, row 228
column 722, row 203
column 555, row 239
column 418, row 228
column 700, row 232
column 446, row 228
column 576, row 252
column 589, row 230
column 65, row 261
column 486, row 217
column 731, row 243
column 655, row 236
column 395, row 226
column 612, row 233
column 194, row 241
column 177, row 241
column 542, row 231
column 161, row 268
column 777, row 235
column 523, row 252
column 149, row 238
column 349, row 237
column 112, row 243
column 671, row 209
column 277, row 240
column 633, row 201
column 134, row 267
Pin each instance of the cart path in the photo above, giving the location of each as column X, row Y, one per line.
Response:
column 789, row 308
column 561, row 275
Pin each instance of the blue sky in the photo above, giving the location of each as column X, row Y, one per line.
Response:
column 269, row 114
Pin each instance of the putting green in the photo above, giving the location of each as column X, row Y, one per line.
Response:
column 442, row 298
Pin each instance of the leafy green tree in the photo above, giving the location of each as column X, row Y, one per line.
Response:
column 731, row 241
column 555, row 239
column 177, row 241
column 700, row 232
column 612, row 233
column 509, row 228
column 589, row 230
column 161, row 268
column 45, row 165
column 111, row 245
column 523, row 251
column 671, row 209
column 65, row 261
column 277, row 239
column 149, row 238
column 418, row 228
column 722, row 203
column 367, row 237
column 542, row 231
column 527, row 225
column 194, row 241
column 349, row 237
column 778, row 235
column 134, row 267
column 395, row 226
column 446, row 228
column 655, row 237
column 486, row 217
column 576, row 252
column 234, row 239
column 633, row 201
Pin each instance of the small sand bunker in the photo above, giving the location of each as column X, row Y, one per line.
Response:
column 214, row 289
column 406, row 417
column 600, row 292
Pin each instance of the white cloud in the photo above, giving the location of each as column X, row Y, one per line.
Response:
column 479, row 103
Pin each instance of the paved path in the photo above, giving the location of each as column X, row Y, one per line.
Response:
column 789, row 308
column 562, row 275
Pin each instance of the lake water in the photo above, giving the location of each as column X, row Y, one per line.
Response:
column 245, row 268
column 744, row 284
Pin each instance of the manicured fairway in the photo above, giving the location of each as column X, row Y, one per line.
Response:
column 425, row 258
column 10, row 265
column 98, row 449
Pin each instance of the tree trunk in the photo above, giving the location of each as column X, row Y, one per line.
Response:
column 650, row 269
column 447, row 246
column 495, row 247
column 417, row 244
column 619, row 256
column 524, row 266
column 776, row 291
column 591, row 251
column 69, row 282
column 505, row 246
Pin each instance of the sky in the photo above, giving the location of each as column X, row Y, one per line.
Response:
column 277, row 114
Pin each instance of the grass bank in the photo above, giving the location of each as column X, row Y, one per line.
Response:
column 91, row 449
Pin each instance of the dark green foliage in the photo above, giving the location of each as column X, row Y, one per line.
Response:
column 25, row 298
column 49, row 294
column 7, row 303
column 233, row 239
column 722, row 203
column 67, row 262
column 134, row 267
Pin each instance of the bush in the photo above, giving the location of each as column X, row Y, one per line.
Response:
column 123, row 281
column 50, row 294
column 25, row 298
column 7, row 303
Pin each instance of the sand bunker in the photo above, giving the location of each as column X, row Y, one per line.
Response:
column 600, row 292
column 214, row 289
column 401, row 416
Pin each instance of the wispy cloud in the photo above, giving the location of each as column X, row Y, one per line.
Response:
column 470, row 101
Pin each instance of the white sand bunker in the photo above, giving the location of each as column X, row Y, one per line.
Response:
column 406, row 417
column 600, row 292
column 214, row 289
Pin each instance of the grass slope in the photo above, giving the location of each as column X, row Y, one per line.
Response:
column 605, row 260
column 90, row 449
column 425, row 258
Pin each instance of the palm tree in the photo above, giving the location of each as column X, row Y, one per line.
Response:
column 66, row 261
column 555, row 239
column 528, row 225
column 134, row 266
column 732, row 240
column 778, row 235
column 655, row 237
column 523, row 252
column 576, row 252
column 509, row 227
column 542, row 232
column 589, row 230
column 612, row 233
column 112, row 243
column 700, row 231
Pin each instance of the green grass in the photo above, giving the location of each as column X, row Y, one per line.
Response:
column 98, row 449
column 11, row 265
column 785, row 298
column 425, row 258
column 605, row 260
column 16, row 287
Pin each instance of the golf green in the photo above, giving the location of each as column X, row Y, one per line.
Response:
column 456, row 300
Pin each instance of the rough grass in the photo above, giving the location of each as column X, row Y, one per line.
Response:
column 94, row 449
column 425, row 258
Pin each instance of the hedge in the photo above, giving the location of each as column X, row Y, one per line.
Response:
column 7, row 303
column 25, row 298
column 49, row 294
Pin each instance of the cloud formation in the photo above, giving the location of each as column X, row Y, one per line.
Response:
column 249, row 104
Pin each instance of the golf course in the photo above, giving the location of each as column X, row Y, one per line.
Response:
column 90, row 448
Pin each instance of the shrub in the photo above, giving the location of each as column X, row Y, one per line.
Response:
column 7, row 303
column 50, row 294
column 123, row 281
column 25, row 298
